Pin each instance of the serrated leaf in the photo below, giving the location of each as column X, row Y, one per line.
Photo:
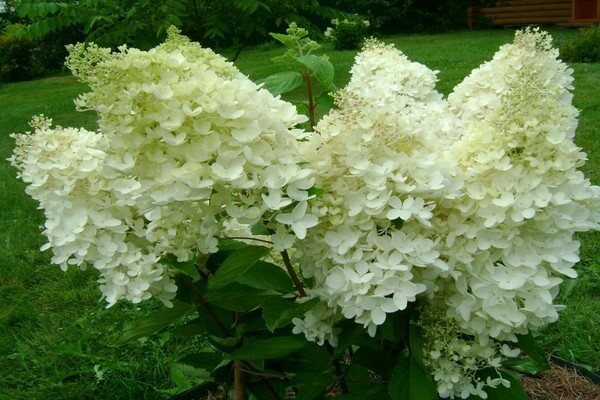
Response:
column 279, row 312
column 267, row 276
column 530, row 347
column 283, row 82
column 266, row 349
column 236, row 264
column 155, row 321
column 287, row 40
column 199, row 375
column 411, row 382
column 319, row 67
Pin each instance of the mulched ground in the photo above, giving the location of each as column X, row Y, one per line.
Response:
column 560, row 383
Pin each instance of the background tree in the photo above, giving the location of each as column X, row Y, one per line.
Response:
column 143, row 23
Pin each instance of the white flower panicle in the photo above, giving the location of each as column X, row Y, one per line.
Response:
column 510, row 236
column 188, row 142
column 381, row 164
column 84, row 224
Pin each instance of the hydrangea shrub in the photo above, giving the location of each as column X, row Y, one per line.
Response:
column 418, row 238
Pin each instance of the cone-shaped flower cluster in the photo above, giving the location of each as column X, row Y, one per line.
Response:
column 186, row 142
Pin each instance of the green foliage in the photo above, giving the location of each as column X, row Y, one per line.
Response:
column 106, row 22
column 411, row 382
column 348, row 33
column 304, row 67
column 18, row 61
column 393, row 16
column 585, row 47
column 143, row 23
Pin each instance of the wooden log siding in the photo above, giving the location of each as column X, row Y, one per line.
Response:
column 542, row 12
column 524, row 12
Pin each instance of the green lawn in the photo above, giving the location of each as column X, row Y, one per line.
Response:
column 57, row 340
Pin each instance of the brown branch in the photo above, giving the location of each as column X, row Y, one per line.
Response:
column 338, row 369
column 293, row 275
column 204, row 304
column 311, row 103
column 239, row 382
column 249, row 238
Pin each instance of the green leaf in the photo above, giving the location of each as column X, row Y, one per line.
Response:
column 155, row 321
column 315, row 191
column 350, row 332
column 187, row 268
column 530, row 347
column 230, row 245
column 283, row 82
column 198, row 375
column 193, row 328
column 287, row 40
column 236, row 264
column 235, row 297
column 411, row 382
column 275, row 347
column 206, row 360
column 319, row 67
column 267, row 276
column 279, row 312
column 373, row 392
column 260, row 229
column 525, row 365
column 325, row 101
column 415, row 342
column 312, row 385
column 379, row 361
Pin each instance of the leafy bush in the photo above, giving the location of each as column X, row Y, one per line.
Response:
column 17, row 57
column 348, row 33
column 392, row 16
column 585, row 47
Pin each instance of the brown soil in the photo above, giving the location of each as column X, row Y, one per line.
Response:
column 560, row 383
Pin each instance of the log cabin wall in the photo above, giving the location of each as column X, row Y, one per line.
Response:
column 538, row 12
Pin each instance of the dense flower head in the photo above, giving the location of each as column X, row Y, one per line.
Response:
column 381, row 164
column 510, row 236
column 187, row 142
